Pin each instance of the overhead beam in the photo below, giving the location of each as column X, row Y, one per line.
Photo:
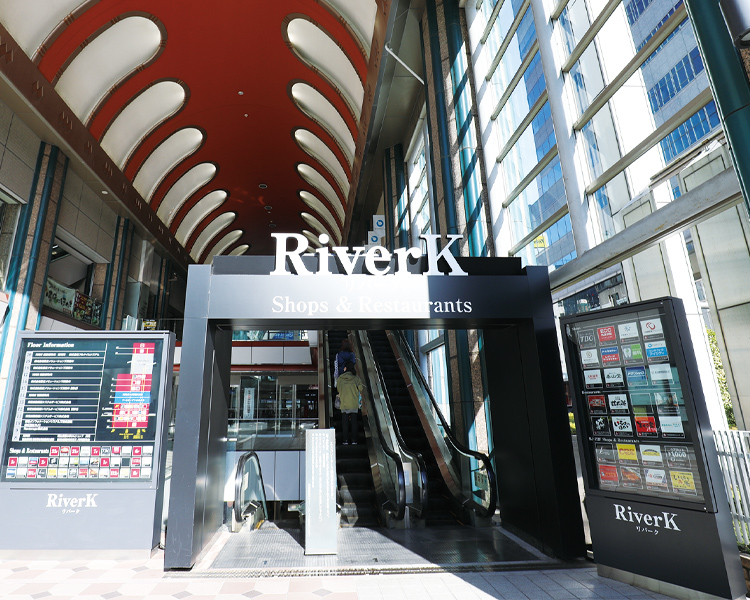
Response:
column 706, row 200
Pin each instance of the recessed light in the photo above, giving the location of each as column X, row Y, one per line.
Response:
column 269, row 208
column 245, row 115
column 272, row 224
column 263, row 186
column 105, row 192
column 240, row 93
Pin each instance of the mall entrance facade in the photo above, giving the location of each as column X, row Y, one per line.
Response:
column 532, row 450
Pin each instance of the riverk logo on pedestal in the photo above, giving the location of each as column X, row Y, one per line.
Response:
column 377, row 260
column 654, row 522
column 71, row 503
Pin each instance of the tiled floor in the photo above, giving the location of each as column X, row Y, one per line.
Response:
column 110, row 580
column 298, row 578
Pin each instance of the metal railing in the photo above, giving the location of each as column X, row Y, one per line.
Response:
column 249, row 492
column 478, row 489
column 386, row 460
column 733, row 448
column 415, row 476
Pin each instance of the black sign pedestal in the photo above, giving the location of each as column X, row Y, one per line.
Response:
column 655, row 497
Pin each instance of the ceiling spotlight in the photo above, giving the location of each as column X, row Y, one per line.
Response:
column 245, row 115
column 263, row 186
column 104, row 192
column 269, row 208
column 272, row 224
column 240, row 93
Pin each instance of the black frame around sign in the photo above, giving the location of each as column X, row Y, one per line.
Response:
column 681, row 358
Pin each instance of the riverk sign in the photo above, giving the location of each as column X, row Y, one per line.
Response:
column 356, row 288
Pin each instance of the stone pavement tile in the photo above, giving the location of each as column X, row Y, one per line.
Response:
column 90, row 575
column 206, row 587
column 339, row 596
column 237, row 586
column 560, row 594
column 272, row 586
column 136, row 588
column 305, row 584
column 25, row 575
column 167, row 588
column 66, row 588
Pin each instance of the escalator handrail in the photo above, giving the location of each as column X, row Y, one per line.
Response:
column 238, row 508
column 400, row 508
column 415, row 456
column 492, row 480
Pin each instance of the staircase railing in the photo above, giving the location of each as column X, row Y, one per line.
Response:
column 416, row 470
column 477, row 490
column 249, row 492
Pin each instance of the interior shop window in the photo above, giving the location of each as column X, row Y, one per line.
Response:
column 272, row 411
column 70, row 283
column 8, row 221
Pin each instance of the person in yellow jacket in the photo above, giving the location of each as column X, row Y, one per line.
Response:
column 349, row 387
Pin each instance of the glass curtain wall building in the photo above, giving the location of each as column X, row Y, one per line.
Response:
column 594, row 116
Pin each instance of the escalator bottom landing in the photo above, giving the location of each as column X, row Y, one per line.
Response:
column 271, row 551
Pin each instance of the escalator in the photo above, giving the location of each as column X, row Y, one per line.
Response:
column 442, row 507
column 460, row 482
column 356, row 490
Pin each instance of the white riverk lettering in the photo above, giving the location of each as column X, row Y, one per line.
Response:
column 63, row 501
column 376, row 260
column 665, row 520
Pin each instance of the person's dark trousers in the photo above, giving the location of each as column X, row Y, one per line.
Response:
column 349, row 420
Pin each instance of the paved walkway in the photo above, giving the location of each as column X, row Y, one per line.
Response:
column 519, row 573
column 113, row 580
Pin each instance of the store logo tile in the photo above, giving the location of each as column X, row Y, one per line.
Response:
column 606, row 334
column 593, row 378
column 590, row 358
column 628, row 332
column 632, row 353
column 660, row 372
column 618, row 404
column 586, row 338
column 636, row 376
column 613, row 378
column 651, row 328
column 656, row 351
column 610, row 355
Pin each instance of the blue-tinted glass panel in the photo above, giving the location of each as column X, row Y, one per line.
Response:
column 554, row 247
column 538, row 202
column 689, row 132
column 516, row 51
column 536, row 140
column 502, row 24
column 519, row 103
column 635, row 8
column 675, row 80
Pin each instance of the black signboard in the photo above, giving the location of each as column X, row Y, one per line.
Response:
column 628, row 369
column 85, row 408
column 651, row 474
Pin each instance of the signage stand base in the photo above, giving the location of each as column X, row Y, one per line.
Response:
column 654, row 585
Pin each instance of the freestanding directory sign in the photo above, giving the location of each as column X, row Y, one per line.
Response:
column 654, row 493
column 83, row 436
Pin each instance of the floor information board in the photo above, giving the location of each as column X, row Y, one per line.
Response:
column 83, row 440
column 84, row 409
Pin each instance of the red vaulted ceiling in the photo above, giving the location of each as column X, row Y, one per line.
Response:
column 217, row 51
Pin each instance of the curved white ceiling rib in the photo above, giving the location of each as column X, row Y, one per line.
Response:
column 322, row 211
column 316, row 106
column 108, row 58
column 240, row 250
column 31, row 21
column 360, row 15
column 318, row 226
column 320, row 183
column 223, row 244
column 210, row 232
column 167, row 155
column 182, row 189
column 314, row 241
column 205, row 206
column 140, row 117
column 317, row 149
column 318, row 50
